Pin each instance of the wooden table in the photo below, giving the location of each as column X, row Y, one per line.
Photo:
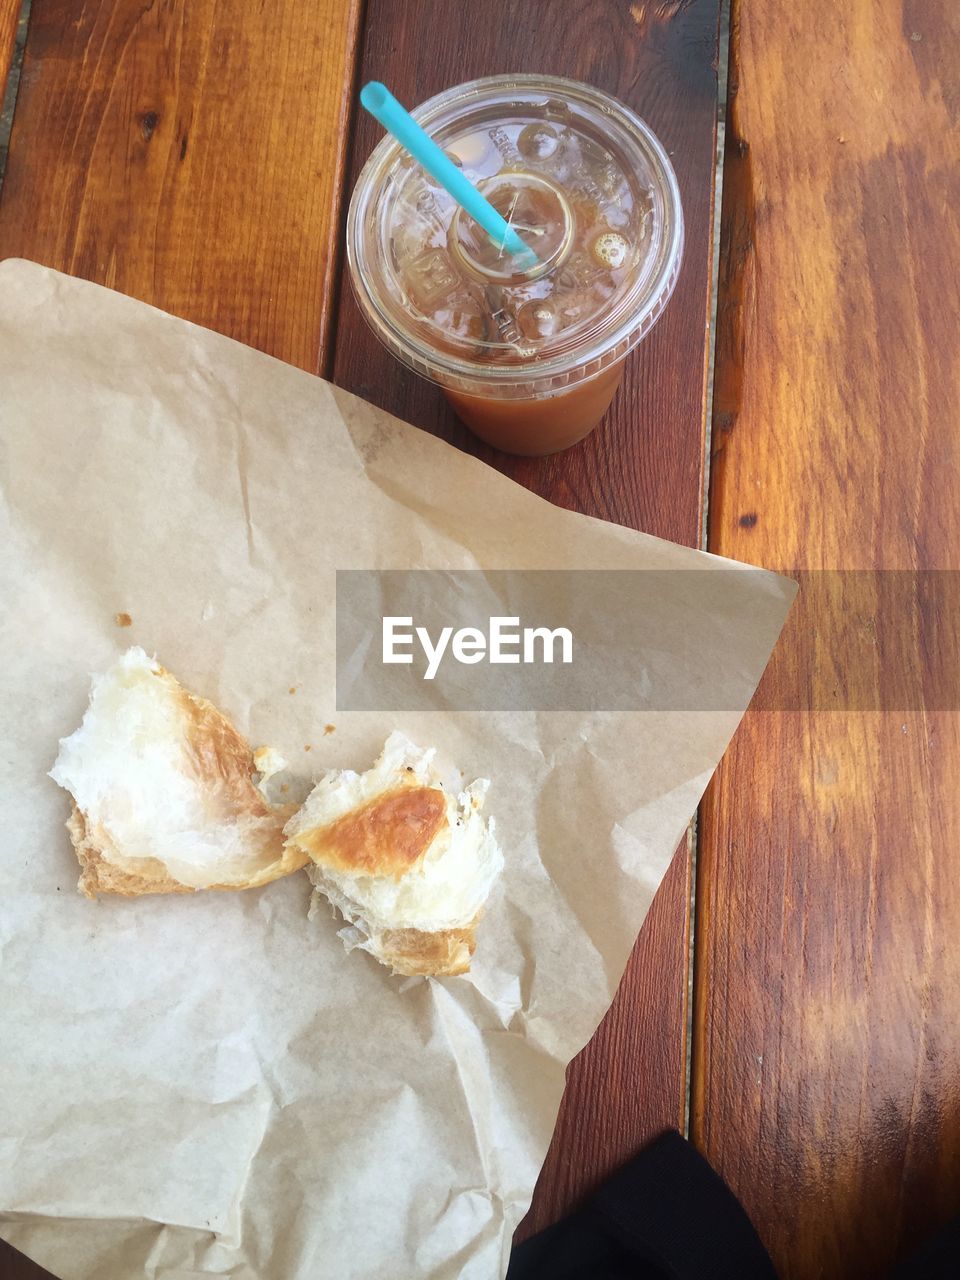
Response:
column 196, row 155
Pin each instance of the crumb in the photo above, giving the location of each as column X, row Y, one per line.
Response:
column 292, row 689
column 123, row 619
column 329, row 728
column 841, row 138
column 308, row 747
column 284, row 786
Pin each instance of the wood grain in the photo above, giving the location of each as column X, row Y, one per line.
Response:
column 643, row 467
column 827, row 996
column 9, row 14
column 189, row 154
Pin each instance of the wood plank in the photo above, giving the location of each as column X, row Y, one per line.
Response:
column 826, row 1059
column 17, row 1266
column 642, row 468
column 630, row 1082
column 189, row 154
column 9, row 15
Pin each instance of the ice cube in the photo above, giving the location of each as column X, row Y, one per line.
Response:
column 429, row 219
column 611, row 180
column 427, row 202
column 576, row 272
column 584, row 186
column 538, row 319
column 462, row 315
column 538, row 141
column 430, row 278
column 572, row 309
column 616, row 217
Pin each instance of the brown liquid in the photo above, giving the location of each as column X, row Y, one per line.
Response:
column 541, row 426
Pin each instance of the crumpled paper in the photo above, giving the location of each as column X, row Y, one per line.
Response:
column 209, row 1085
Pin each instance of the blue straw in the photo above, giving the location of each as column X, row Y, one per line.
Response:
column 380, row 102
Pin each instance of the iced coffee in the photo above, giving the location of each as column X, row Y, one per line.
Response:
column 529, row 354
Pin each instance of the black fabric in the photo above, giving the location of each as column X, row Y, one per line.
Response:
column 667, row 1216
column 664, row 1216
column 937, row 1259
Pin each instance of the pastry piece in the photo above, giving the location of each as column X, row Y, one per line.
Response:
column 407, row 863
column 164, row 793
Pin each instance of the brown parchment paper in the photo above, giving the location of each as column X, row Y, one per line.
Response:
column 209, row 1085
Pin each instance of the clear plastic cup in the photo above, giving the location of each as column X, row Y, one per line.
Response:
column 529, row 359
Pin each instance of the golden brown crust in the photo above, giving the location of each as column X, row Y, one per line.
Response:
column 388, row 836
column 223, row 766
column 222, row 759
column 98, row 875
column 416, row 954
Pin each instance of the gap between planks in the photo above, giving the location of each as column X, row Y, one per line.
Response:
column 723, row 62
column 325, row 359
column 8, row 96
